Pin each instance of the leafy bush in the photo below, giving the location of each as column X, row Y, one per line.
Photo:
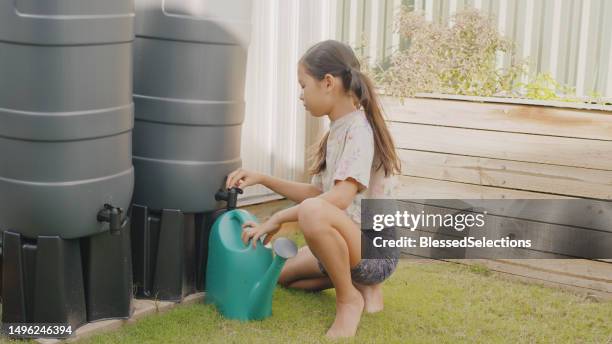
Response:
column 461, row 59
column 457, row 59
column 544, row 87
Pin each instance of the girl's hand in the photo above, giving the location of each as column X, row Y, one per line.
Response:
column 242, row 178
column 252, row 230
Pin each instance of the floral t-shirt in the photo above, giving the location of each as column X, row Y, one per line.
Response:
column 350, row 154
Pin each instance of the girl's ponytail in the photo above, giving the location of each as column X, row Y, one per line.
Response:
column 338, row 59
column 363, row 89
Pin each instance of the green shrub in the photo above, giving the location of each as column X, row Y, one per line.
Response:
column 461, row 59
column 457, row 59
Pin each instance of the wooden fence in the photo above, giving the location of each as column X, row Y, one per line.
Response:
column 459, row 149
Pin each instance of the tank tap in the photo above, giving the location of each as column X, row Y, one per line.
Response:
column 112, row 215
column 230, row 196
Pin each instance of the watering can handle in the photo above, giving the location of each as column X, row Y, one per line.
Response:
column 243, row 216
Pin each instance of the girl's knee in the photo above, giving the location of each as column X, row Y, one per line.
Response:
column 311, row 206
column 311, row 214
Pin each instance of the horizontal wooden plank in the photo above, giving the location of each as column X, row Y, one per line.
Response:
column 590, row 281
column 564, row 180
column 506, row 146
column 584, row 283
column 547, row 240
column 469, row 253
column 592, row 288
column 580, row 213
column 582, row 268
column 606, row 108
column 549, row 235
column 423, row 188
column 501, row 117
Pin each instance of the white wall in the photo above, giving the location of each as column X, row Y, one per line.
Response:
column 276, row 130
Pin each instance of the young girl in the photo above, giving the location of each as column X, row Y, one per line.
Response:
column 356, row 159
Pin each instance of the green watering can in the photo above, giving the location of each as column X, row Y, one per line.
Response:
column 240, row 279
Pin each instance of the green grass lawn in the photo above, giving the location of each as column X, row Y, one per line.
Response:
column 424, row 303
column 428, row 303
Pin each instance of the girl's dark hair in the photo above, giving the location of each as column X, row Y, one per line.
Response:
column 338, row 59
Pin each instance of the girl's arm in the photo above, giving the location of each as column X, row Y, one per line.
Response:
column 253, row 230
column 285, row 215
column 294, row 191
column 341, row 195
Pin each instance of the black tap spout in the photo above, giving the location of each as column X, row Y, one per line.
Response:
column 112, row 215
column 229, row 195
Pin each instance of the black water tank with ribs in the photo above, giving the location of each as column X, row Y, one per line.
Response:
column 66, row 114
column 189, row 77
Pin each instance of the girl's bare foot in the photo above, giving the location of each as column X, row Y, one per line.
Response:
column 348, row 314
column 372, row 295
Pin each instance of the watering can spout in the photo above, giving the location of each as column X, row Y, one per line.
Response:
column 261, row 294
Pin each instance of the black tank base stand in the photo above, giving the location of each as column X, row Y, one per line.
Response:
column 66, row 281
column 169, row 249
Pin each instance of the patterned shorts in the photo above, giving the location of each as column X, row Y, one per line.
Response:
column 370, row 271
